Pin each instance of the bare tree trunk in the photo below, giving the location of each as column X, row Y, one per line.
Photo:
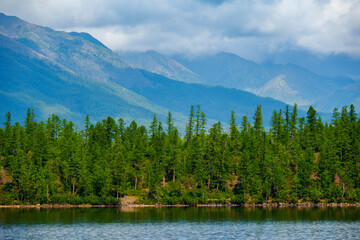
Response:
column 208, row 183
column 292, row 138
column 47, row 192
column 217, row 184
column 163, row 182
column 174, row 175
column 117, row 189
column 73, row 188
column 136, row 179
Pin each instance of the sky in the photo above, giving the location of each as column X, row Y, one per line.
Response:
column 253, row 29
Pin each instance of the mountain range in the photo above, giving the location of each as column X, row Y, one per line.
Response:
column 73, row 74
column 288, row 83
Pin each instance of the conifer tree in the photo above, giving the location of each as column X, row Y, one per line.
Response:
column 190, row 126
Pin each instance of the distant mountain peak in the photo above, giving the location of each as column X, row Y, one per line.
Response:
column 278, row 88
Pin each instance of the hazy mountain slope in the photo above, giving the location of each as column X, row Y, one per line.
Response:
column 215, row 101
column 332, row 66
column 225, row 69
column 288, row 83
column 297, row 85
column 344, row 96
column 157, row 63
column 280, row 88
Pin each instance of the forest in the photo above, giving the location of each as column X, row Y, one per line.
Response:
column 297, row 159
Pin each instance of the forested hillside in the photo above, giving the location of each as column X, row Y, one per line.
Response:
column 297, row 160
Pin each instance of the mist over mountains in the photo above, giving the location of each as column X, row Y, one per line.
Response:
column 73, row 74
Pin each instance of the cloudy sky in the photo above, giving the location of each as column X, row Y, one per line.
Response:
column 252, row 29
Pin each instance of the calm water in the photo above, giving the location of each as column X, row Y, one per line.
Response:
column 181, row 223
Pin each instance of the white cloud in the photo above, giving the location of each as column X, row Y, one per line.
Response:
column 249, row 28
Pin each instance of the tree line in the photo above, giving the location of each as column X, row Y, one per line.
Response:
column 299, row 159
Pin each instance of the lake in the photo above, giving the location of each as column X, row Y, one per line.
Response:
column 181, row 223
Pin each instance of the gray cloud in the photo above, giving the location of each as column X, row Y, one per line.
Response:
column 249, row 28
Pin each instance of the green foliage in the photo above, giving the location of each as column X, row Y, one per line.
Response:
column 296, row 160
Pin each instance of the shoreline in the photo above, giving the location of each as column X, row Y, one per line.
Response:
column 264, row 205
